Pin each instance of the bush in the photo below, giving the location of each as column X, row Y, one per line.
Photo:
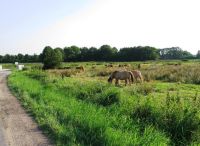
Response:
column 51, row 58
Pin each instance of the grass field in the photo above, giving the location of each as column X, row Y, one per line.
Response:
column 81, row 108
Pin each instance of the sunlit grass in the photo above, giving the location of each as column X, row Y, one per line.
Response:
column 85, row 110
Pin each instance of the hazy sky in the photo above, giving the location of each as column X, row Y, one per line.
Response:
column 27, row 26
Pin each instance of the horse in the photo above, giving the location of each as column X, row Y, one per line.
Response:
column 80, row 68
column 124, row 65
column 121, row 75
column 109, row 65
column 137, row 75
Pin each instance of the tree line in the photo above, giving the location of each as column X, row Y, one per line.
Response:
column 104, row 53
column 20, row 58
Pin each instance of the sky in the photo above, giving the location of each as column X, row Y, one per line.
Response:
column 27, row 26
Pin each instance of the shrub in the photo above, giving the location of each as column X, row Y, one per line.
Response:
column 51, row 58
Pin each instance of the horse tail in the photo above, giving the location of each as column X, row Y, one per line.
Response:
column 131, row 74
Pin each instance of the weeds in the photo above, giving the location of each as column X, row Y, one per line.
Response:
column 81, row 111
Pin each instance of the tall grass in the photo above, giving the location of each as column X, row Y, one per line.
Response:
column 187, row 73
column 57, row 106
column 90, row 112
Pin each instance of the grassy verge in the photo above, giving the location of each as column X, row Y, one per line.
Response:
column 78, row 111
column 72, row 122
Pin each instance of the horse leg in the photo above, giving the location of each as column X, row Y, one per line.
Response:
column 126, row 82
column 129, row 80
column 141, row 78
column 116, row 82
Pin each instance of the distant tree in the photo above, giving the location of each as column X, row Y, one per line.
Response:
column 20, row 57
column 57, row 58
column 107, row 53
column 1, row 59
column 7, row 59
column 47, row 57
column 26, row 58
column 93, row 54
column 51, row 58
column 175, row 53
column 72, row 53
column 35, row 58
column 84, row 55
column 138, row 53
column 187, row 55
column 198, row 54
column 61, row 50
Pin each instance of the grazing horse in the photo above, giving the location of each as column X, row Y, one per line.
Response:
column 80, row 68
column 137, row 75
column 109, row 65
column 121, row 75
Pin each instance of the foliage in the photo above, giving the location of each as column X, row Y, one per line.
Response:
column 138, row 53
column 19, row 58
column 175, row 53
column 51, row 58
column 198, row 54
column 106, row 53
column 71, row 53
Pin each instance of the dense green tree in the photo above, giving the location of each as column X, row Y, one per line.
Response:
column 8, row 58
column 198, row 54
column 93, row 54
column 61, row 50
column 35, row 58
column 187, row 55
column 175, row 53
column 138, row 53
column 51, row 58
column 47, row 55
column 72, row 53
column 57, row 57
column 107, row 53
column 20, row 57
column 84, row 54
column 1, row 58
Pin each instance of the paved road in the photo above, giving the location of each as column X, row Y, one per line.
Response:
column 17, row 128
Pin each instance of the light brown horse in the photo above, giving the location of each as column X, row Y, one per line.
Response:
column 137, row 75
column 109, row 65
column 80, row 68
column 121, row 75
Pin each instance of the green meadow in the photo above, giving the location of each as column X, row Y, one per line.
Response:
column 75, row 107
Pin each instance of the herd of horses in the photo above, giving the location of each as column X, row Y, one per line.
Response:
column 128, row 76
